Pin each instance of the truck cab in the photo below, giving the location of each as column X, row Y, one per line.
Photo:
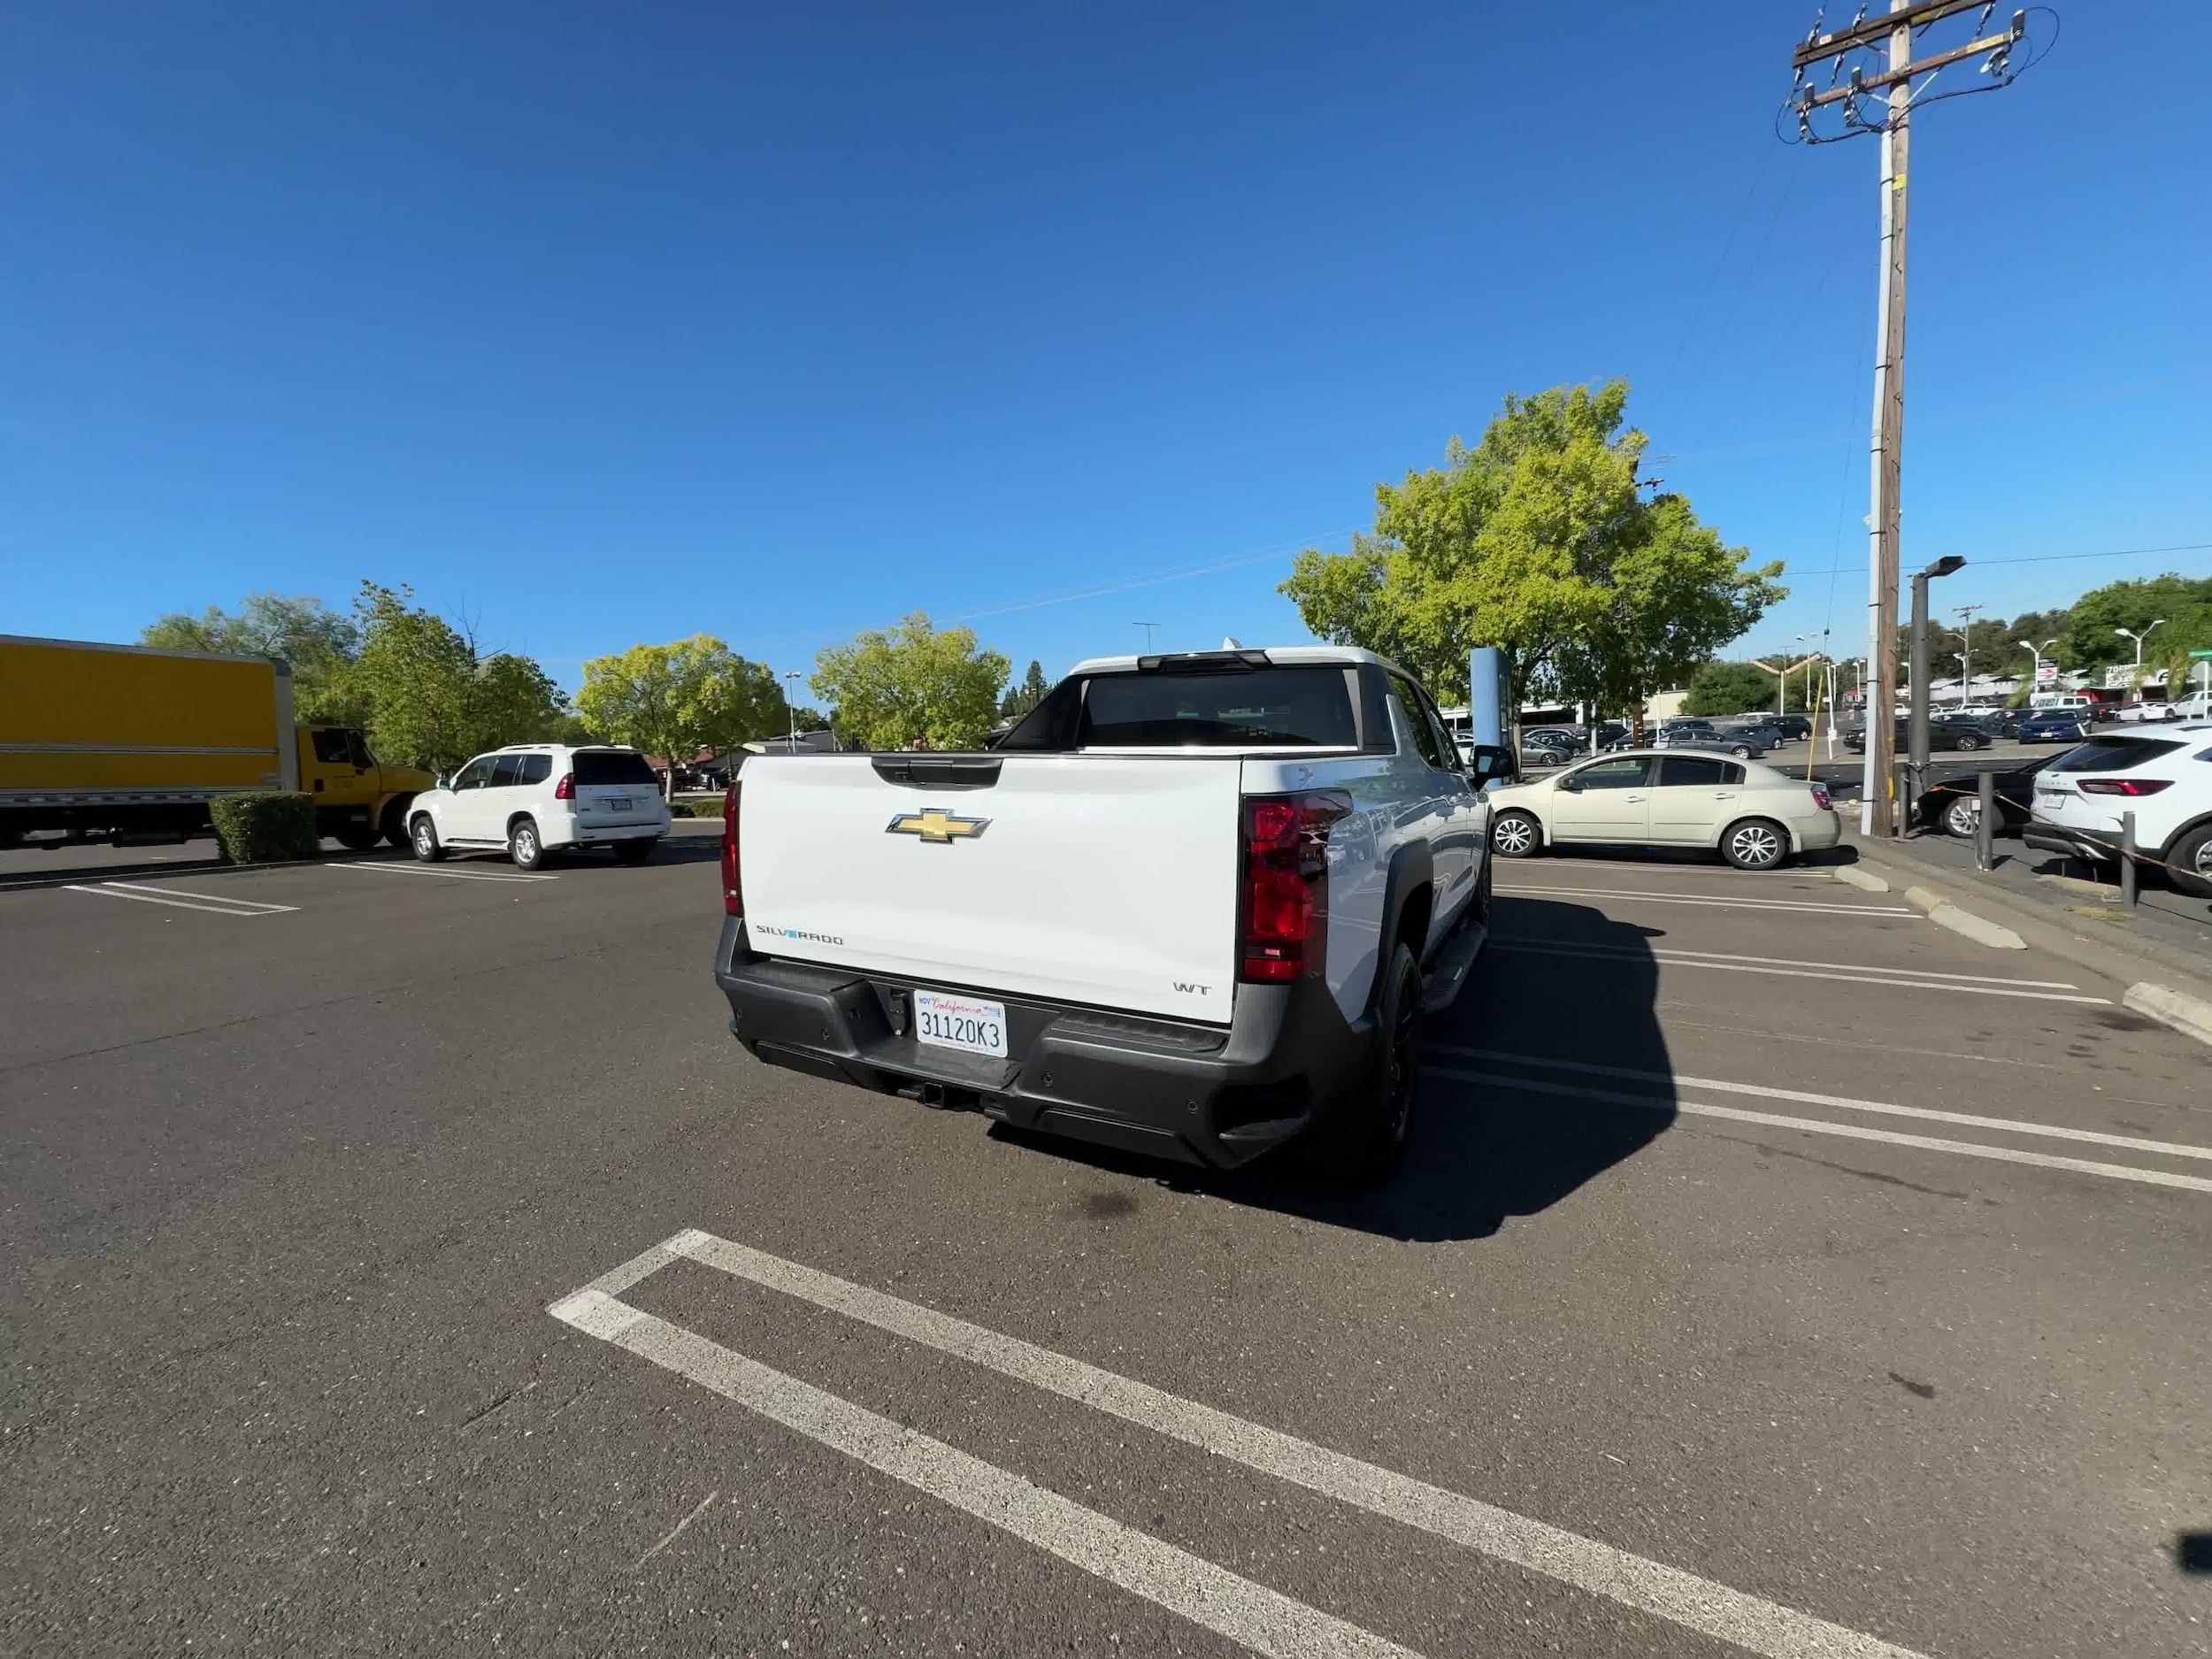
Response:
column 358, row 798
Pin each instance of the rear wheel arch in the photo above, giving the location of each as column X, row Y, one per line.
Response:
column 2202, row 821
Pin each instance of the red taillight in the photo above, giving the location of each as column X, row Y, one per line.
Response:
column 733, row 887
column 1284, row 930
column 565, row 790
column 2122, row 786
column 1820, row 797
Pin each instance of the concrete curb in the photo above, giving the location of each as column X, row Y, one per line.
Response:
column 1943, row 913
column 1851, row 875
column 2191, row 1016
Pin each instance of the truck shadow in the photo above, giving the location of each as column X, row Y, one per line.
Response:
column 1549, row 1070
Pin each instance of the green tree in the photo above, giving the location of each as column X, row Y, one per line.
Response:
column 1729, row 688
column 2181, row 605
column 432, row 700
column 676, row 699
column 318, row 643
column 1541, row 541
column 1019, row 700
column 892, row 686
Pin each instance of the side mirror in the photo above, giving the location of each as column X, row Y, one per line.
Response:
column 1486, row 763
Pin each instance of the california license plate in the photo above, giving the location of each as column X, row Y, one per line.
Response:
column 617, row 804
column 965, row 1023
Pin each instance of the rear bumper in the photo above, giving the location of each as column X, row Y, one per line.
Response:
column 1818, row 834
column 572, row 835
column 1194, row 1094
column 2096, row 846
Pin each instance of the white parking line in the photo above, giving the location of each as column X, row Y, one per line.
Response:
column 1820, row 1126
column 431, row 870
column 1636, row 952
column 1814, row 907
column 2008, row 1125
column 1259, row 1618
column 180, row 900
column 1903, row 980
column 1252, row 1616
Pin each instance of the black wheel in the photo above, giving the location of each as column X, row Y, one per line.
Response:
column 1741, row 751
column 2189, row 866
column 356, row 837
column 635, row 852
column 1755, row 843
column 1366, row 1141
column 523, row 845
column 423, row 836
column 1968, row 742
column 1517, row 835
column 395, row 825
column 1962, row 816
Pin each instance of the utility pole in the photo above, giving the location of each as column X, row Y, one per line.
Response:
column 1966, row 638
column 1148, row 627
column 1890, row 91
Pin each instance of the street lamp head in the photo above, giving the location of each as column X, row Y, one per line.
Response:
column 1945, row 565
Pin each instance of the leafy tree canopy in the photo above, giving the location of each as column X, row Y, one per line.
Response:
column 891, row 686
column 1539, row 541
column 432, row 700
column 676, row 699
column 1730, row 688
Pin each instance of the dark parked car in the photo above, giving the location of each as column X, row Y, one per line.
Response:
column 1955, row 806
column 1793, row 727
column 2053, row 726
column 1942, row 736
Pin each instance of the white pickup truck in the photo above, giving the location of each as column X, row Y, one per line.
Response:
column 1194, row 905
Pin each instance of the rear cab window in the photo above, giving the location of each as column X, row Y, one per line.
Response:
column 1211, row 704
column 599, row 766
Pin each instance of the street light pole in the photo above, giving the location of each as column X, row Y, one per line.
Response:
column 1916, row 732
column 2139, row 639
column 791, row 709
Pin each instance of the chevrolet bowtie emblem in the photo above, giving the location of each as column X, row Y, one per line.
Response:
column 932, row 824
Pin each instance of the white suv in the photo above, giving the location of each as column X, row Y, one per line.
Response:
column 534, row 799
column 2163, row 775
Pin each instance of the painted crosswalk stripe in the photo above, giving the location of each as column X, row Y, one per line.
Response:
column 1682, row 1597
column 1822, row 1127
column 178, row 899
column 1807, row 1097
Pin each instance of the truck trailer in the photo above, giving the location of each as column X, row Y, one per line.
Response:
column 128, row 744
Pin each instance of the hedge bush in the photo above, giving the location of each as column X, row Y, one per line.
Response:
column 265, row 828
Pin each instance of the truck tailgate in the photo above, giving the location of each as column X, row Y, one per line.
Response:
column 1103, row 880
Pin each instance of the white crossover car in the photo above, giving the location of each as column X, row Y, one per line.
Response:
column 2161, row 775
column 1754, row 817
column 534, row 799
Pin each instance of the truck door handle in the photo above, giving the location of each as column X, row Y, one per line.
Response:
column 1724, row 794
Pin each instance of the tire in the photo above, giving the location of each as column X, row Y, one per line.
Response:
column 523, row 846
column 635, row 852
column 422, row 835
column 1968, row 742
column 1962, row 816
column 1755, row 843
column 1741, row 751
column 2189, row 866
column 357, row 838
column 1517, row 835
column 395, row 825
column 1366, row 1141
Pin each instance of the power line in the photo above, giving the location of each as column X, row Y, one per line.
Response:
column 2041, row 558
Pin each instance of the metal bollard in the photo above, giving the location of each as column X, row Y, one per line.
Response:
column 2127, row 861
column 1985, row 824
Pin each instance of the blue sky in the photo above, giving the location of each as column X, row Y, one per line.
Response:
column 607, row 324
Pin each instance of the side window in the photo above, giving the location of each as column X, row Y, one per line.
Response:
column 1678, row 771
column 474, row 775
column 330, row 747
column 1418, row 731
column 1632, row 772
column 506, row 772
column 358, row 750
column 535, row 769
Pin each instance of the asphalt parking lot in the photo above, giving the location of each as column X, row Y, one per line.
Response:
column 406, row 1260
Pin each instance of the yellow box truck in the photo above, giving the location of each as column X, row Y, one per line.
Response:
column 128, row 744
